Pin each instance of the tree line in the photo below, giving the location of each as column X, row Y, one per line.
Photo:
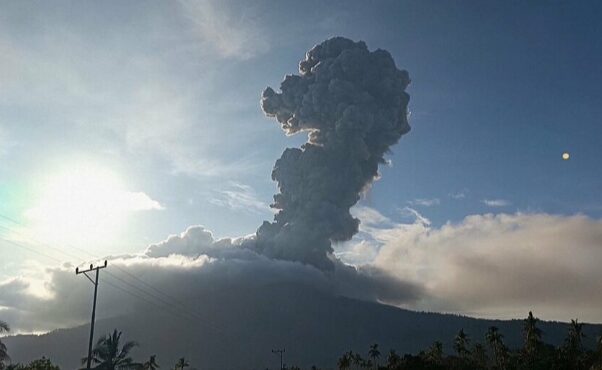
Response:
column 107, row 354
column 490, row 354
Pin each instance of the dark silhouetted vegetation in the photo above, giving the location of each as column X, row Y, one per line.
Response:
column 3, row 353
column 41, row 364
column 151, row 364
column 181, row 364
column 108, row 355
column 466, row 354
column 492, row 354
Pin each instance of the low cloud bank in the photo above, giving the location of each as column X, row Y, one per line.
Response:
column 493, row 265
column 190, row 267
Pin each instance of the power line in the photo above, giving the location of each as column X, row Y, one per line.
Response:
column 148, row 294
column 168, row 308
column 141, row 298
column 60, row 251
column 280, row 352
column 88, row 253
column 94, row 256
column 32, row 250
column 95, row 282
column 171, row 308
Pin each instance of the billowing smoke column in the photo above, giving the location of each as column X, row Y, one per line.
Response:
column 354, row 105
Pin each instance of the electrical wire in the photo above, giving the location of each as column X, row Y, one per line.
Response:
column 175, row 307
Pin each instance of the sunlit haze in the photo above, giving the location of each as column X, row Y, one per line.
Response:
column 84, row 205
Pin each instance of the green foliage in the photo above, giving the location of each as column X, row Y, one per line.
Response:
column 181, row 364
column 461, row 342
column 41, row 364
column 3, row 352
column 374, row 353
column 108, row 355
column 499, row 351
column 151, row 364
column 493, row 355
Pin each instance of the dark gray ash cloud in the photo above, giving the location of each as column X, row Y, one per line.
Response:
column 353, row 104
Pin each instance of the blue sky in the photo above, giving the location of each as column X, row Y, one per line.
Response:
column 165, row 97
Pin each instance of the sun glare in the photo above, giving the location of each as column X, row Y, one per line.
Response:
column 85, row 206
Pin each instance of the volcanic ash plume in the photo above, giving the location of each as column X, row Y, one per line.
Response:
column 354, row 105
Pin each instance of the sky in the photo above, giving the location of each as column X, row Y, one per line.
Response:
column 124, row 123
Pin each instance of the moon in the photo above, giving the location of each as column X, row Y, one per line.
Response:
column 566, row 156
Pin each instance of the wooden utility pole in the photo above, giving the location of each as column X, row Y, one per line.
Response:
column 95, row 282
column 279, row 351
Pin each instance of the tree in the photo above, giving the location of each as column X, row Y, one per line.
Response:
column 598, row 353
column 151, row 364
column 479, row 356
column 573, row 345
column 357, row 359
column 374, row 354
column 393, row 360
column 461, row 342
column 4, row 328
column 500, row 352
column 532, row 337
column 181, row 364
column 434, row 354
column 108, row 355
column 41, row 364
column 344, row 362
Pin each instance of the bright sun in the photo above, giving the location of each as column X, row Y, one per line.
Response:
column 84, row 206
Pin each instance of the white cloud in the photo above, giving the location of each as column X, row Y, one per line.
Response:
column 241, row 197
column 229, row 32
column 500, row 265
column 496, row 202
column 138, row 201
column 110, row 103
column 415, row 215
column 458, row 195
column 192, row 264
column 369, row 216
column 424, row 202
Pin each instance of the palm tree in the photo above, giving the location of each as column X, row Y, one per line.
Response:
column 356, row 358
column 499, row 350
column 151, row 364
column 40, row 364
column 461, row 342
column 435, row 353
column 599, row 351
column 393, row 360
column 181, row 364
column 532, row 335
column 479, row 356
column 374, row 354
column 4, row 328
column 575, row 336
column 574, row 344
column 108, row 355
column 344, row 362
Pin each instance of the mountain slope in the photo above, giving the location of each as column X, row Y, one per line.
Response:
column 239, row 330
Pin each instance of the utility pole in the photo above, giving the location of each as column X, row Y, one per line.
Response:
column 280, row 352
column 95, row 282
